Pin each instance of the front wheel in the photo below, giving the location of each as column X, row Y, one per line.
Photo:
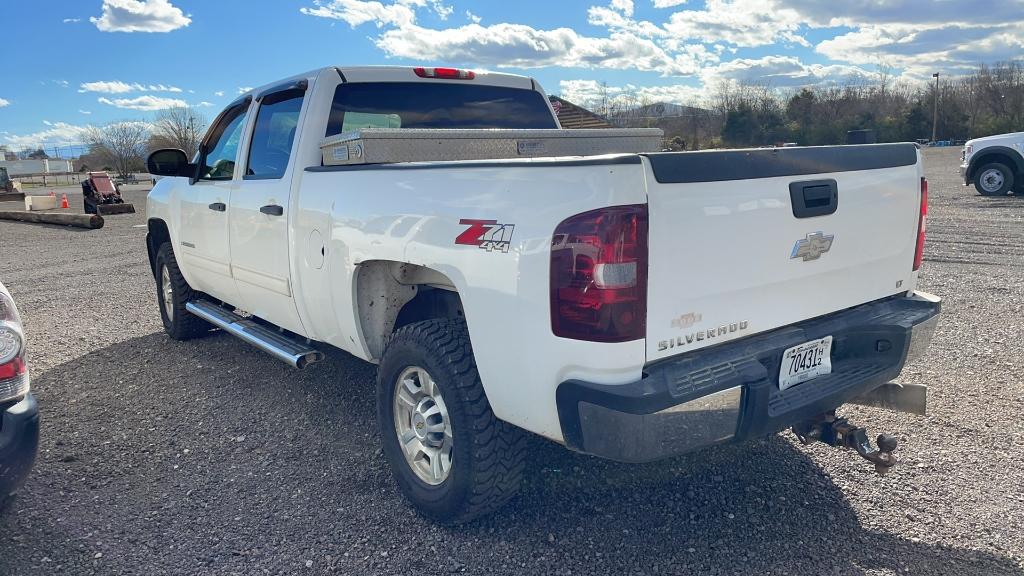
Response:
column 172, row 294
column 451, row 458
column 993, row 179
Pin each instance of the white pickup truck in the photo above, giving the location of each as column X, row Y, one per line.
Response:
column 994, row 164
column 632, row 306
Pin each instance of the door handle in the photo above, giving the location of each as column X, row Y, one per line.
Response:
column 814, row 198
column 218, row 206
column 272, row 210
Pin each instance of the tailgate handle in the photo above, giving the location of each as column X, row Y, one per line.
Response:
column 814, row 198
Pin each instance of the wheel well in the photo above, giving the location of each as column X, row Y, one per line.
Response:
column 430, row 303
column 158, row 234
column 987, row 158
column 391, row 294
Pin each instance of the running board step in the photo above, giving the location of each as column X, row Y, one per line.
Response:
column 277, row 345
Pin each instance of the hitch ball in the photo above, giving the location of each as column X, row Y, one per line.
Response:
column 839, row 433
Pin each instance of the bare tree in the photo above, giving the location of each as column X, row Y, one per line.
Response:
column 122, row 144
column 179, row 128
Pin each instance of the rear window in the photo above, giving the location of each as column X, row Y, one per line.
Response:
column 441, row 105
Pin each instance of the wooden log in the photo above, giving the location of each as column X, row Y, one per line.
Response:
column 91, row 221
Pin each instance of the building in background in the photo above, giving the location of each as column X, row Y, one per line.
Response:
column 17, row 168
column 572, row 116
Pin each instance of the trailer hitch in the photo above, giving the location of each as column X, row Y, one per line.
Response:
column 839, row 433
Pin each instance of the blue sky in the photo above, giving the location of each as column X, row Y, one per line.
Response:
column 88, row 62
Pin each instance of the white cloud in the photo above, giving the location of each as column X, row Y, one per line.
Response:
column 507, row 45
column 47, row 123
column 780, row 72
column 111, row 87
column 86, row 112
column 59, row 133
column 442, row 11
column 615, row 18
column 204, row 104
column 702, row 41
column 4, row 102
column 244, row 89
column 591, row 93
column 744, row 23
column 356, row 12
column 861, row 12
column 922, row 50
column 71, row 20
column 146, row 103
column 918, row 37
column 140, row 16
column 518, row 45
column 624, row 6
column 119, row 87
column 218, row 93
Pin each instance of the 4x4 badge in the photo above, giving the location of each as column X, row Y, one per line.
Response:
column 486, row 235
column 813, row 246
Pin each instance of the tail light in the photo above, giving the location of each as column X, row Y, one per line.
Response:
column 599, row 275
column 14, row 380
column 921, row 225
column 445, row 73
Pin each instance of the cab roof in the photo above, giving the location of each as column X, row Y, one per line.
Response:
column 400, row 74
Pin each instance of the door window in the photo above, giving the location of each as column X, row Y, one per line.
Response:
column 221, row 144
column 274, row 134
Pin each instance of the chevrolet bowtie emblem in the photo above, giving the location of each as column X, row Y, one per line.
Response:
column 812, row 247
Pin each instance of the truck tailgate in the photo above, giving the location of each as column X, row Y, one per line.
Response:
column 730, row 255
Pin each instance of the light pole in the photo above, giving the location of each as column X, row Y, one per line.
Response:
column 935, row 114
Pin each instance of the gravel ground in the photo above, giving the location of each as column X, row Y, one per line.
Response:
column 161, row 457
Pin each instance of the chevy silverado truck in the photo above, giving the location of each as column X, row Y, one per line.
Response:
column 994, row 164
column 632, row 305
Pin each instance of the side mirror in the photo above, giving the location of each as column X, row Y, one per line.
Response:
column 169, row 162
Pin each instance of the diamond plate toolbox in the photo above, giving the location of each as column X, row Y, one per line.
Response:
column 387, row 145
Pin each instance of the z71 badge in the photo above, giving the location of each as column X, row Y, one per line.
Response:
column 486, row 235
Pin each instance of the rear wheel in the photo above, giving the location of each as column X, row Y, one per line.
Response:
column 172, row 293
column 993, row 179
column 451, row 458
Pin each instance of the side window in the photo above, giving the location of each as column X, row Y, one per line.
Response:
column 273, row 135
column 222, row 145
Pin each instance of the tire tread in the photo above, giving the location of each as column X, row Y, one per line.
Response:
column 499, row 449
column 185, row 325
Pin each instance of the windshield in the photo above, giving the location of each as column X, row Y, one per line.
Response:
column 441, row 105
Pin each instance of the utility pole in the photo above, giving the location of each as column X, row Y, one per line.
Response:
column 935, row 115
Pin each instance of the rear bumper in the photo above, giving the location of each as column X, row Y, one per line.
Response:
column 730, row 392
column 19, row 442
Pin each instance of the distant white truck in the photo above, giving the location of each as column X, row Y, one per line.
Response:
column 632, row 306
column 994, row 164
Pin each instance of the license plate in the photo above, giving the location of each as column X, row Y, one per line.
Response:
column 806, row 361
